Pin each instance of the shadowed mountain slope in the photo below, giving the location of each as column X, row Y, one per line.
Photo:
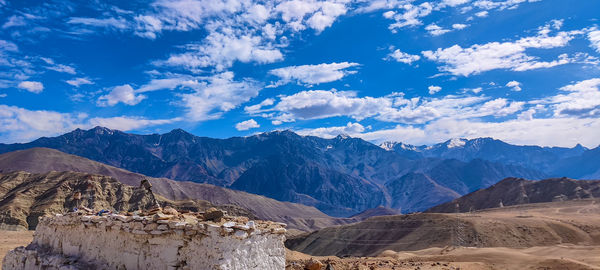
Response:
column 514, row 191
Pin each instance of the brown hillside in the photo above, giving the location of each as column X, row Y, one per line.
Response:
column 573, row 222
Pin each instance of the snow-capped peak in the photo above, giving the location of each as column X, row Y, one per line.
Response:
column 456, row 142
column 388, row 146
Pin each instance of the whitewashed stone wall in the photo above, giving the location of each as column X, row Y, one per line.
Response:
column 119, row 242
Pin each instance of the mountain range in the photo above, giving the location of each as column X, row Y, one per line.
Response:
column 577, row 162
column 341, row 176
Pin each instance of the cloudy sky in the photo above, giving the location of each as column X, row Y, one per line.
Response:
column 420, row 72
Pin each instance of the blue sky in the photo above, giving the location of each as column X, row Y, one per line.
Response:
column 420, row 72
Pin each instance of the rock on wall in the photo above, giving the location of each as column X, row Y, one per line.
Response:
column 126, row 242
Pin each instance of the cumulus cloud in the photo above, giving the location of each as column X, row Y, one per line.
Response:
column 245, row 31
column 255, row 109
column 32, row 86
column 594, row 38
column 459, row 26
column 18, row 124
column 582, row 100
column 436, row 30
column 79, row 82
column 516, row 86
column 219, row 94
column 22, row 125
column 313, row 74
column 433, row 89
column 482, row 14
column 123, row 93
column 501, row 55
column 411, row 15
column 318, row 104
column 221, row 50
column 403, row 57
column 352, row 129
column 246, row 125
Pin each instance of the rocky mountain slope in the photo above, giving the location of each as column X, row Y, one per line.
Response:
column 514, row 191
column 25, row 196
column 528, row 225
column 298, row 216
column 340, row 176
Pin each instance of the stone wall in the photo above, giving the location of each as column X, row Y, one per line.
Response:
column 180, row 241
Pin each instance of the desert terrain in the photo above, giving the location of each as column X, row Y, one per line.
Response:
column 556, row 235
column 12, row 239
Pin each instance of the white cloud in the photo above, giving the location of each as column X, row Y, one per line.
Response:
column 123, row 93
column 482, row 14
column 403, row 57
column 221, row 50
column 501, row 5
column 219, row 94
column 255, row 109
column 32, row 86
column 459, row 26
column 246, row 125
column 14, row 21
column 452, row 3
column 244, row 31
column 169, row 83
column 433, row 89
column 22, row 125
column 125, row 123
column 506, row 55
column 18, row 124
column 411, row 15
column 58, row 67
column 436, row 30
column 516, row 86
column 352, row 129
column 582, row 100
column 313, row 74
column 79, row 81
column 594, row 38
column 107, row 23
column 318, row 104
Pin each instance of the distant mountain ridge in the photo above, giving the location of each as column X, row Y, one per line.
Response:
column 341, row 176
column 543, row 159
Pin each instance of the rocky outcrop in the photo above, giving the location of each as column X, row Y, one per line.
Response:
column 165, row 240
column 25, row 196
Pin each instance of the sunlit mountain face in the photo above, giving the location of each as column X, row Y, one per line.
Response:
column 522, row 71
